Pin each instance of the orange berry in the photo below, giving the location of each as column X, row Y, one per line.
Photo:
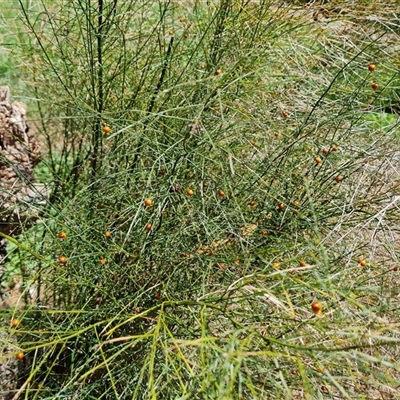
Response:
column 62, row 260
column 107, row 235
column 62, row 235
column 15, row 322
column 281, row 206
column 362, row 262
column 318, row 160
column 148, row 202
column 338, row 178
column 20, row 355
column 264, row 233
column 316, row 307
column 296, row 203
column 252, row 203
column 106, row 129
column 371, row 67
column 221, row 193
column 103, row 261
column 325, row 151
column 302, row 263
column 334, row 148
column 218, row 72
column 284, row 114
column 189, row 192
column 375, row 86
column 148, row 227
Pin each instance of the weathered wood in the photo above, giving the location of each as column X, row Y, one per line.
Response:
column 19, row 153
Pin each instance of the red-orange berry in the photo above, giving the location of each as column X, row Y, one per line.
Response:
column 62, row 235
column 107, row 235
column 316, row 307
column 375, row 86
column 148, row 202
column 362, row 262
column 15, row 322
column 371, row 67
column 62, row 260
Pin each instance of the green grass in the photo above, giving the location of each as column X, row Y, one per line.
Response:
column 9, row 74
column 213, row 300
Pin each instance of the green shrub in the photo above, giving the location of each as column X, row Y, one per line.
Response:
column 205, row 294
